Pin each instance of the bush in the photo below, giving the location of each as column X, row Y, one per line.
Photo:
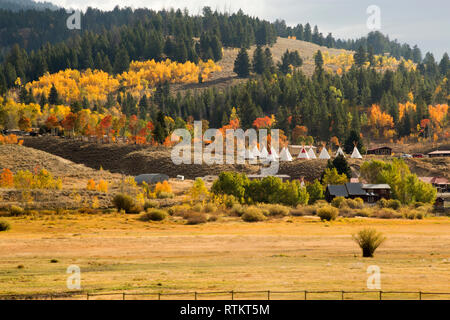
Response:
column 150, row 205
column 337, row 202
column 394, row 204
column 209, row 208
column 165, row 195
column 4, row 226
column 126, row 203
column 366, row 212
column 356, row 203
column 229, row 201
column 197, row 208
column 328, row 213
column 275, row 209
column 253, row 214
column 368, row 240
column 386, row 214
column 196, row 218
column 303, row 211
column 16, row 211
column 237, row 209
column 154, row 215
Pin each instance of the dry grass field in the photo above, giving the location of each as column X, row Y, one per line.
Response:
column 120, row 253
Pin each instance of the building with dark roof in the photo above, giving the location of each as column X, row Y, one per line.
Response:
column 368, row 192
column 383, row 151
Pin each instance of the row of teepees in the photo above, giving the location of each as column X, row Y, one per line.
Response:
column 285, row 155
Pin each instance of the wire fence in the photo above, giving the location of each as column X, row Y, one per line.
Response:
column 242, row 295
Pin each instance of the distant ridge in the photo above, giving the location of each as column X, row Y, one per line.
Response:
column 17, row 5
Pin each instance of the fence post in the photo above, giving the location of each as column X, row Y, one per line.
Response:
column 342, row 294
column 87, row 296
column 195, row 295
column 232, row 295
column 268, row 294
column 305, row 294
column 420, row 295
column 381, row 292
column 159, row 296
column 123, row 296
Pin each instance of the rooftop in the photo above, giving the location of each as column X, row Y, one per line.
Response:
column 375, row 186
column 440, row 152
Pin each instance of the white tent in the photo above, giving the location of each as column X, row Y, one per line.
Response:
column 324, row 154
column 264, row 154
column 340, row 152
column 255, row 151
column 271, row 158
column 274, row 153
column 285, row 155
column 356, row 154
column 303, row 154
column 312, row 154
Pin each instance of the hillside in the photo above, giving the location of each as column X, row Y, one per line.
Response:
column 227, row 77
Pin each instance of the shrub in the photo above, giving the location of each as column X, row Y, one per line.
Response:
column 197, row 207
column 337, row 202
column 165, row 195
column 16, row 211
column 154, row 215
column 163, row 187
column 386, row 214
column 150, row 205
column 383, row 203
column 195, row 218
column 126, row 203
column 237, row 209
column 356, row 203
column 315, row 191
column 91, row 185
column 366, row 212
column 275, row 209
column 368, row 240
column 393, row 204
column 303, row 211
column 209, row 208
column 102, row 186
column 328, row 213
column 231, row 183
column 229, row 201
column 347, row 212
column 4, row 226
column 253, row 214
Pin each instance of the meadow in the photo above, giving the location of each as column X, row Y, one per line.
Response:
column 118, row 252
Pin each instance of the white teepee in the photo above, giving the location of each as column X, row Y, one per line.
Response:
column 263, row 154
column 340, row 152
column 311, row 153
column 274, row 153
column 285, row 155
column 255, row 151
column 303, row 154
column 324, row 154
column 356, row 154
column 271, row 158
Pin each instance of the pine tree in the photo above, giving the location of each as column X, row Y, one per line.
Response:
column 259, row 61
column 318, row 60
column 444, row 65
column 122, row 61
column 242, row 64
column 360, row 57
column 353, row 137
column 53, row 97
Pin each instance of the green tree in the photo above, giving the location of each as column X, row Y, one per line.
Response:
column 122, row 61
column 315, row 191
column 242, row 64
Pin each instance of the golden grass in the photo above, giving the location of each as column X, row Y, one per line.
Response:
column 117, row 252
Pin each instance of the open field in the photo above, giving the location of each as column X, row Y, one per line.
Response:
column 118, row 252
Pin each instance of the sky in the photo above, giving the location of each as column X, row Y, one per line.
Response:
column 420, row 22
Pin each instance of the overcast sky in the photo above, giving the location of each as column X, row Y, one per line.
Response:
column 420, row 22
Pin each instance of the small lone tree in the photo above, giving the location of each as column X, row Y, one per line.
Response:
column 369, row 240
